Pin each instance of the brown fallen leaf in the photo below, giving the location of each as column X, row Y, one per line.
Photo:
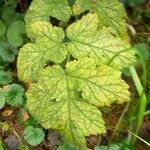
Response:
column 92, row 141
column 25, row 116
column 7, row 112
column 12, row 142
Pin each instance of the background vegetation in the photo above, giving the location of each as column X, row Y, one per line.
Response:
column 128, row 126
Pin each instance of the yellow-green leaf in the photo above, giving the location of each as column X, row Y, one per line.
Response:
column 101, row 45
column 100, row 86
column 47, row 46
column 67, row 99
column 43, row 9
column 110, row 13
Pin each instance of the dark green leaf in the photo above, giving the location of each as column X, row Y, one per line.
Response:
column 9, row 15
column 11, row 3
column 147, row 13
column 2, row 28
column 7, row 52
column 5, row 77
column 15, row 33
column 31, row 121
column 71, row 2
column 133, row 3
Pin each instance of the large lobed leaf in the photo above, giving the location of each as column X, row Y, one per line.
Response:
column 84, row 41
column 67, row 94
column 55, row 100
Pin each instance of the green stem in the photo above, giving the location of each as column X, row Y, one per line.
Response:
column 120, row 119
column 142, row 101
column 140, row 138
column 136, row 80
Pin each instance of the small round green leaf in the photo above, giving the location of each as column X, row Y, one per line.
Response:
column 15, row 33
column 9, row 15
column 34, row 136
column 7, row 52
column 14, row 95
column 5, row 77
column 2, row 99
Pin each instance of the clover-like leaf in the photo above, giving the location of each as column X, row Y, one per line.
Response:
column 14, row 95
column 2, row 99
column 101, row 45
column 110, row 13
column 34, row 136
column 67, row 100
column 47, row 46
column 43, row 9
column 15, row 33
